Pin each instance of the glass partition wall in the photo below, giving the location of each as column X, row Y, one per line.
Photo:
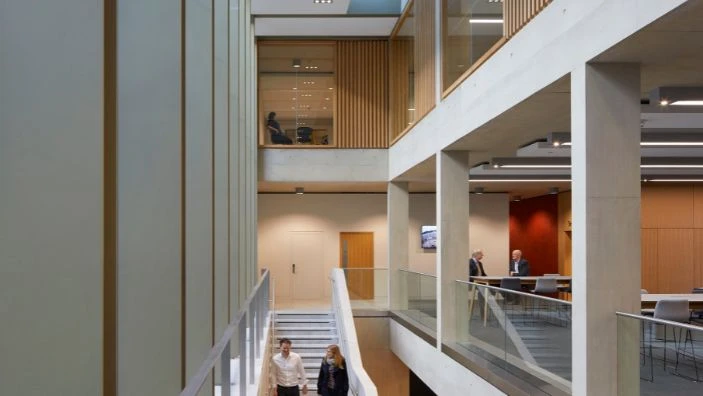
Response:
column 296, row 93
column 471, row 31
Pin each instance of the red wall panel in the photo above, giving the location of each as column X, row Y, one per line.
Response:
column 533, row 229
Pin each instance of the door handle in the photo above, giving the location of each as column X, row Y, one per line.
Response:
column 294, row 268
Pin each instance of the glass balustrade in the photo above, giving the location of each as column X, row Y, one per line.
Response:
column 526, row 334
column 237, row 357
column 420, row 305
column 662, row 356
column 368, row 288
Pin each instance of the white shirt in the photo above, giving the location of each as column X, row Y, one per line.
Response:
column 516, row 265
column 288, row 371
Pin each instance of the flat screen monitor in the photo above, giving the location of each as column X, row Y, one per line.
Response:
column 428, row 234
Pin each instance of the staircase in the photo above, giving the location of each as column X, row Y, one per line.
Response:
column 310, row 333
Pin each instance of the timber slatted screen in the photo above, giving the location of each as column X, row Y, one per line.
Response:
column 400, row 63
column 518, row 12
column 362, row 94
column 424, row 57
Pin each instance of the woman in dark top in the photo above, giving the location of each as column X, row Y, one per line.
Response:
column 274, row 128
column 333, row 379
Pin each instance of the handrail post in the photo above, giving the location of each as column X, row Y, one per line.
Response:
column 252, row 345
column 243, row 355
column 225, row 362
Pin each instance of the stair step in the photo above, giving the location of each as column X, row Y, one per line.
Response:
column 287, row 328
column 309, row 320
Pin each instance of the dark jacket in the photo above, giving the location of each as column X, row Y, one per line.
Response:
column 476, row 268
column 523, row 267
column 341, row 380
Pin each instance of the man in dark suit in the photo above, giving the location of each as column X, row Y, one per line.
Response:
column 518, row 266
column 475, row 264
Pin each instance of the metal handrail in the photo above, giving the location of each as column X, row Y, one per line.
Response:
column 516, row 292
column 196, row 382
column 347, row 336
column 660, row 321
column 416, row 272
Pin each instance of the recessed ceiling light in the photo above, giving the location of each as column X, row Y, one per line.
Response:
column 330, row 88
column 322, row 1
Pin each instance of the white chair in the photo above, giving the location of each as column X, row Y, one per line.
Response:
column 675, row 310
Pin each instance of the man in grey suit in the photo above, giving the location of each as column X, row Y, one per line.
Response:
column 518, row 265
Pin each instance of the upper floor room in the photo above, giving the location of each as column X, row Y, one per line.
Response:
column 361, row 74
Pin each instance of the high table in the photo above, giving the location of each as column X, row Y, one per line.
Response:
column 562, row 281
column 695, row 301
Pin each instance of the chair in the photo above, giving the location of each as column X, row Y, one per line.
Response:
column 510, row 284
column 675, row 310
column 699, row 314
column 546, row 285
column 304, row 135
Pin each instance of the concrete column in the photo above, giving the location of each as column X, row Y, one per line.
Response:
column 51, row 197
column 398, row 243
column 605, row 133
column 453, row 242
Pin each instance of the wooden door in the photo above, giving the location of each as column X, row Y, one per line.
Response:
column 307, row 265
column 355, row 254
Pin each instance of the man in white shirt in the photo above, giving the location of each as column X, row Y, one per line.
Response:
column 287, row 372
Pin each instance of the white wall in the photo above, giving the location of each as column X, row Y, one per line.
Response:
column 488, row 230
column 335, row 213
column 330, row 213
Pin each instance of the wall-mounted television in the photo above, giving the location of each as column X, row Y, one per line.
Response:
column 428, row 235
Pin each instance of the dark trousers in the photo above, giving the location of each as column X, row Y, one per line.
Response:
column 288, row 390
column 280, row 139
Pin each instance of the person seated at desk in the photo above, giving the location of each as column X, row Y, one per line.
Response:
column 274, row 128
column 518, row 266
column 475, row 264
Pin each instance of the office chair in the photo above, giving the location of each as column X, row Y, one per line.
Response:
column 304, row 135
column 675, row 311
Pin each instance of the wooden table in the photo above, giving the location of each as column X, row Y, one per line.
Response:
column 562, row 281
column 695, row 301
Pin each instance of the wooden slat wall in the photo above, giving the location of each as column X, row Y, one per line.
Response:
column 401, row 54
column 424, row 57
column 672, row 237
column 362, row 94
column 516, row 13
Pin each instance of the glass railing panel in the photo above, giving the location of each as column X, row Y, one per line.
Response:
column 238, row 355
column 473, row 28
column 521, row 332
column 421, row 303
column 368, row 287
column 660, row 355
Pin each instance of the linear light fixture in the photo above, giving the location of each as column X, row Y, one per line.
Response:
column 687, row 103
column 322, row 1
column 565, row 163
column 677, row 96
column 674, row 180
column 648, row 139
column 514, row 180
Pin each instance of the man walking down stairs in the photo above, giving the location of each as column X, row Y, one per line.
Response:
column 310, row 332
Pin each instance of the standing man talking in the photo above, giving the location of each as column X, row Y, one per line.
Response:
column 287, row 372
column 475, row 264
